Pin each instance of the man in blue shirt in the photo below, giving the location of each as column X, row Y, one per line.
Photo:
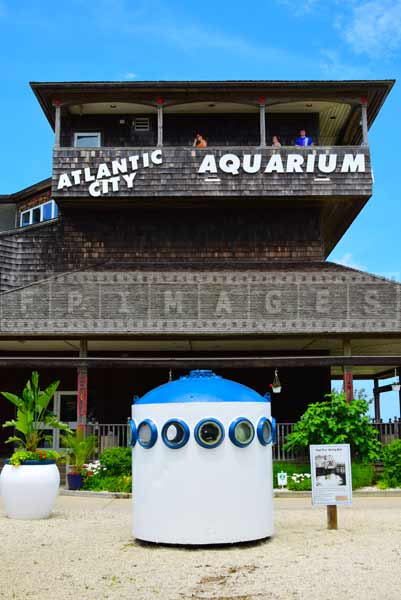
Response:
column 303, row 139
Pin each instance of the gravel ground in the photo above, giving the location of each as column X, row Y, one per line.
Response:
column 85, row 551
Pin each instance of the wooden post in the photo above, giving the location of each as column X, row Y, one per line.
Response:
column 376, row 396
column 364, row 117
column 160, row 124
column 82, row 397
column 57, row 125
column 348, row 379
column 332, row 522
column 262, row 121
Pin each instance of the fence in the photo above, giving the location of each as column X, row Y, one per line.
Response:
column 111, row 435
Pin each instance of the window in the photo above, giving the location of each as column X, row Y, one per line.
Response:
column 241, row 432
column 265, row 431
column 175, row 433
column 209, row 433
column 87, row 139
column 141, row 124
column 37, row 214
column 147, row 434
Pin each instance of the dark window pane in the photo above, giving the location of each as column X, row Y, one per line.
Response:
column 87, row 140
column 25, row 218
column 36, row 215
column 68, row 407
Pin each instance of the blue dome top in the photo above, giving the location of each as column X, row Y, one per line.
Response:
column 201, row 386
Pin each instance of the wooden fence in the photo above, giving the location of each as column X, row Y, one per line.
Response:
column 111, row 435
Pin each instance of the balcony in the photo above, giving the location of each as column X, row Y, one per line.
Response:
column 338, row 172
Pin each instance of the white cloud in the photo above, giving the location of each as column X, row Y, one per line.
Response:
column 299, row 8
column 347, row 260
column 333, row 66
column 373, row 27
column 130, row 76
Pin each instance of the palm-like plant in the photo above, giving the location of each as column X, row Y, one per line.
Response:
column 33, row 416
column 79, row 448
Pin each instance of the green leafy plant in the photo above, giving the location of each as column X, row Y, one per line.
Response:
column 117, row 461
column 299, row 482
column 112, row 473
column 336, row 421
column 80, row 448
column 392, row 465
column 33, row 415
column 21, row 456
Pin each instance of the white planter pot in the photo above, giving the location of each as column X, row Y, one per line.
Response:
column 276, row 389
column 30, row 490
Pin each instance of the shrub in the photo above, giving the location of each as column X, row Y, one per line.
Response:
column 363, row 475
column 392, row 464
column 335, row 421
column 20, row 456
column 106, row 483
column 299, row 482
column 117, row 461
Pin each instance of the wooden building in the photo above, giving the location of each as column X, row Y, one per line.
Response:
column 144, row 255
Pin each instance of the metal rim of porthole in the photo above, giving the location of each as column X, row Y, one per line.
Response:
column 181, row 428
column 202, row 435
column 151, row 440
column 234, row 435
column 264, row 439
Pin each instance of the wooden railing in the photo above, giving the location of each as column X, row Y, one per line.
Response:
column 112, row 435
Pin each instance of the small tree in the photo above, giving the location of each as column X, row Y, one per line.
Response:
column 33, row 415
column 335, row 421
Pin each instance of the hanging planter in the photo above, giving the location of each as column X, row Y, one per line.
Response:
column 276, row 385
column 396, row 386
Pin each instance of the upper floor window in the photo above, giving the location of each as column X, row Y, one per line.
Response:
column 87, row 139
column 37, row 214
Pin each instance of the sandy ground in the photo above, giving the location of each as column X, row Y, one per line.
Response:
column 85, row 551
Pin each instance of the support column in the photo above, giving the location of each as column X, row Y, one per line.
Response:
column 364, row 119
column 262, row 122
column 160, row 121
column 82, row 386
column 348, row 379
column 57, row 124
column 376, row 397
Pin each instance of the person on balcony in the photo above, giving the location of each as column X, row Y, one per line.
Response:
column 276, row 143
column 199, row 141
column 303, row 139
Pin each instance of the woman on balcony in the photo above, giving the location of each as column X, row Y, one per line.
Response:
column 199, row 141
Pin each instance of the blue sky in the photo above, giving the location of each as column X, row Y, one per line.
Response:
column 43, row 40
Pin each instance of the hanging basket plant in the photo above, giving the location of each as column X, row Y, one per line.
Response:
column 276, row 385
column 396, row 386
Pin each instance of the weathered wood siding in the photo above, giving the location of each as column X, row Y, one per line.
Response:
column 178, row 175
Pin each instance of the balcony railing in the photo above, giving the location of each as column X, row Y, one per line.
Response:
column 342, row 171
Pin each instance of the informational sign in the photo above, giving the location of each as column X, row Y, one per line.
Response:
column 282, row 479
column 331, row 474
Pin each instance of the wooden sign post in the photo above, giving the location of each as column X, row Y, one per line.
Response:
column 332, row 516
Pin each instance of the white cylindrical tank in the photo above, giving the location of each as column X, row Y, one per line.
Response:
column 202, row 462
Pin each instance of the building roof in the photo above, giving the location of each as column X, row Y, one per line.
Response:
column 375, row 91
column 35, row 188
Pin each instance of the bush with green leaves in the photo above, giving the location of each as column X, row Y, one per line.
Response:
column 33, row 415
column 336, row 421
column 21, row 456
column 392, row 465
column 117, row 461
column 114, row 472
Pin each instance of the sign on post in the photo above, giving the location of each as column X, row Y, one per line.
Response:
column 331, row 474
column 331, row 478
column 282, row 479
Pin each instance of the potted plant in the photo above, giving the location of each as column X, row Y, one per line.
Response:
column 30, row 480
column 80, row 448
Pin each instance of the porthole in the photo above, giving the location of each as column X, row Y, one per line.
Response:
column 175, row 433
column 209, row 433
column 134, row 432
column 147, row 433
column 265, row 431
column 241, row 432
